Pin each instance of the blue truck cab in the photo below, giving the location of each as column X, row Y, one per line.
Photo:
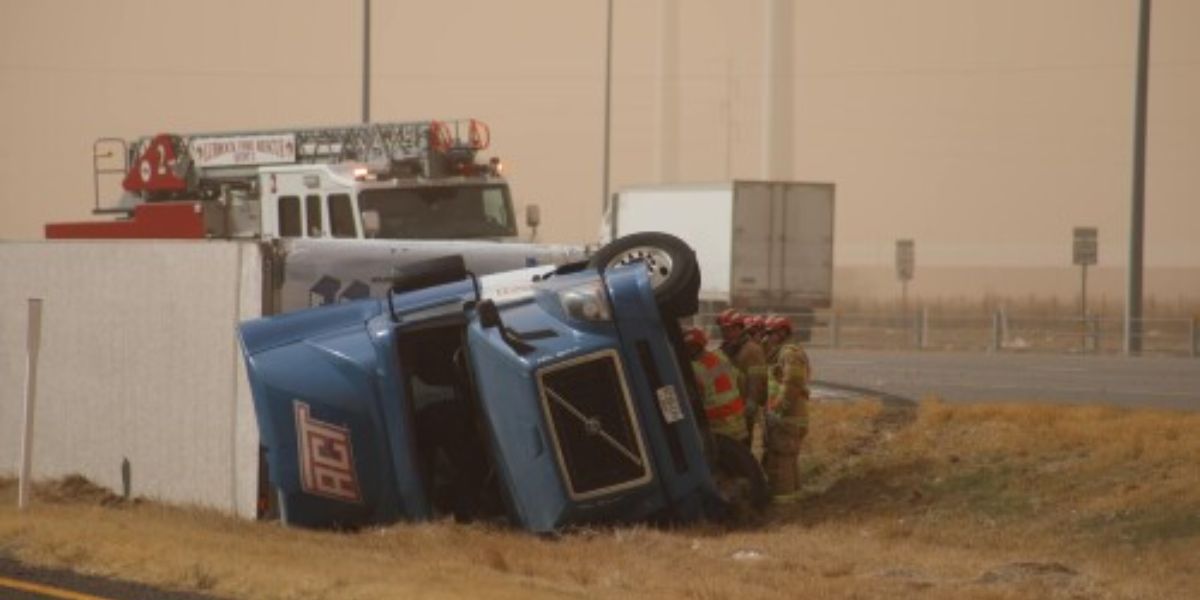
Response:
column 542, row 397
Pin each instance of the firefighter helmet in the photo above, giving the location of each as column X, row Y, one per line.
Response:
column 729, row 317
column 695, row 338
column 779, row 324
column 755, row 324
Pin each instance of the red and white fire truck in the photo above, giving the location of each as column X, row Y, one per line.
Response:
column 412, row 180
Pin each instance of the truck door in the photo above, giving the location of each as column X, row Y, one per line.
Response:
column 782, row 244
column 523, row 455
column 334, row 421
column 805, row 244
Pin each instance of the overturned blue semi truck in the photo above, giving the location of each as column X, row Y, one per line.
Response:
column 545, row 397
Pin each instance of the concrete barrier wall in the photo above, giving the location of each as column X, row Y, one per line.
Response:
column 139, row 361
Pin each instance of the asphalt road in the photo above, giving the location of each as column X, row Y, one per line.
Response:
column 1158, row 382
column 23, row 582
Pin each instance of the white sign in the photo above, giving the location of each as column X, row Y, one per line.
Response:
column 1085, row 246
column 905, row 259
column 244, row 150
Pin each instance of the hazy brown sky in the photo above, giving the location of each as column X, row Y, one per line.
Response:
column 984, row 129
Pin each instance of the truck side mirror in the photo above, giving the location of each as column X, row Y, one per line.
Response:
column 370, row 223
column 533, row 216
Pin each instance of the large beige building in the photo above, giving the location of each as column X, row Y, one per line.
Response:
column 983, row 129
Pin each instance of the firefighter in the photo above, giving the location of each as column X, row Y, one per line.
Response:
column 789, row 372
column 748, row 356
column 717, row 379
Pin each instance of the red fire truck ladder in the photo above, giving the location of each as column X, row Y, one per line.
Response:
column 169, row 166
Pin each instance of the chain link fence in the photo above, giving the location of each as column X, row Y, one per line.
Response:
column 1000, row 331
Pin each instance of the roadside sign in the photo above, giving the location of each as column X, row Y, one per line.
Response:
column 1085, row 246
column 905, row 259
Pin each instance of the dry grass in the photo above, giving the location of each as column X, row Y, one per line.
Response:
column 1001, row 501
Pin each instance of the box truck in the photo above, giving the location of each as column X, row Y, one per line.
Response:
column 763, row 246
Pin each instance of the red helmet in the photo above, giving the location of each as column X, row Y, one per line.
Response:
column 779, row 324
column 695, row 338
column 754, row 323
column 730, row 316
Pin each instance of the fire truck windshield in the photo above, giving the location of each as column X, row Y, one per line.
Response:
column 441, row 212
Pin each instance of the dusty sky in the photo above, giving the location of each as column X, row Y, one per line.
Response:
column 984, row 129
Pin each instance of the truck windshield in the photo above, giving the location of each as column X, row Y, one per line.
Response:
column 441, row 212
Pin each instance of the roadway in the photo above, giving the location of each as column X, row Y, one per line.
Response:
column 1142, row 382
column 23, row 582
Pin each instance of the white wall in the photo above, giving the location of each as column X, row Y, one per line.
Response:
column 139, row 360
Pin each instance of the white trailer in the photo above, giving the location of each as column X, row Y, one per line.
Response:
column 762, row 246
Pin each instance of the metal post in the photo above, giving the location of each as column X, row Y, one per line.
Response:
column 1133, row 295
column 366, row 74
column 667, row 105
column 608, row 52
column 1195, row 338
column 1083, row 316
column 33, row 342
column 768, row 119
column 923, row 331
column 997, row 340
column 835, row 326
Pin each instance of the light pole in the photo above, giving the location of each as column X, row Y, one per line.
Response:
column 608, row 48
column 1133, row 293
column 366, row 68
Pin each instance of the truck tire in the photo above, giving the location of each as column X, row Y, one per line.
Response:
column 740, row 481
column 671, row 263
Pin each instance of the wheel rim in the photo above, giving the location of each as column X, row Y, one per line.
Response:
column 659, row 264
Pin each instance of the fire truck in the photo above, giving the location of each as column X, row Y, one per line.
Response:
column 407, row 180
column 335, row 209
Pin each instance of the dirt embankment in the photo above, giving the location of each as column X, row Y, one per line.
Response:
column 1000, row 501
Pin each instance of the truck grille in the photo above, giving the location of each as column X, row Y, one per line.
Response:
column 596, row 434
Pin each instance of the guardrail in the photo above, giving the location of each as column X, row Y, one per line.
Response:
column 998, row 332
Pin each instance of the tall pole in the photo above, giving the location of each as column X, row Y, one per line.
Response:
column 608, row 50
column 666, row 108
column 768, row 118
column 366, row 72
column 1133, row 296
column 778, row 90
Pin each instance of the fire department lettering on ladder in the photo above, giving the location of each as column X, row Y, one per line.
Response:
column 244, row 150
column 326, row 457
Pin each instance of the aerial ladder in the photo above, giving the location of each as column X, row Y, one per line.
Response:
column 195, row 166
column 181, row 185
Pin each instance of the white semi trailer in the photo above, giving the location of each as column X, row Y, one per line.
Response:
column 761, row 245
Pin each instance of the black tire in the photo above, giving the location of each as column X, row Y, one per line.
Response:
column 740, row 480
column 670, row 262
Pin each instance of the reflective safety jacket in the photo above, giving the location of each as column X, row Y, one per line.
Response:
column 723, row 402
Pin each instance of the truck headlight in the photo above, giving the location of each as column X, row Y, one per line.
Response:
column 587, row 302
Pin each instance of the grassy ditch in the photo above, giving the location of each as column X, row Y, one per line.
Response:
column 996, row 501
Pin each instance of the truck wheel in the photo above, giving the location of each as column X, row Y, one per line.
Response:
column 740, row 481
column 670, row 262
